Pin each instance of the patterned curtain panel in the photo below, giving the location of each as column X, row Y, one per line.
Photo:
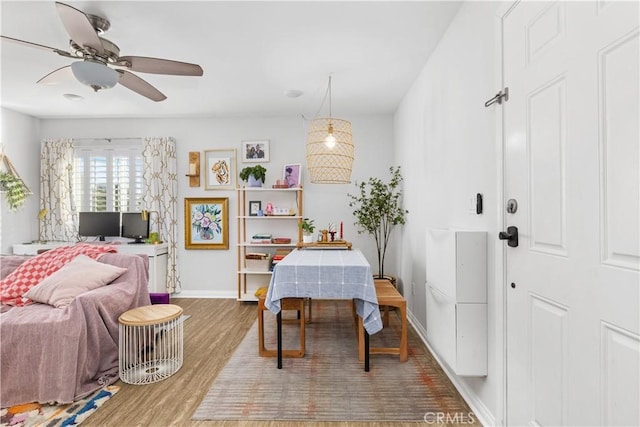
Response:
column 160, row 194
column 60, row 222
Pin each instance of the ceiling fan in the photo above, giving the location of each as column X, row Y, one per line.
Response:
column 99, row 64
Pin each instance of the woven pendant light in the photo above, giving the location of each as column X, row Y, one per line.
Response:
column 330, row 149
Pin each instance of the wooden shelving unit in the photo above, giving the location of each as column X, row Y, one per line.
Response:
column 248, row 225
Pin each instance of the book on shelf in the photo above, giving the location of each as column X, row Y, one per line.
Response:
column 256, row 255
column 261, row 238
column 281, row 240
column 280, row 254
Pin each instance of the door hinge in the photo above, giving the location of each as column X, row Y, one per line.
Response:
column 498, row 98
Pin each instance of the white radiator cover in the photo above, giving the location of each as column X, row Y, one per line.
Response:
column 456, row 272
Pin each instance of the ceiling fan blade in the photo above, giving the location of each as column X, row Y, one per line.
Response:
column 37, row 46
column 136, row 84
column 79, row 27
column 60, row 75
column 143, row 64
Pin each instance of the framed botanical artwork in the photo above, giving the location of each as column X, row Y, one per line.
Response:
column 220, row 169
column 255, row 207
column 292, row 175
column 206, row 223
column 255, row 151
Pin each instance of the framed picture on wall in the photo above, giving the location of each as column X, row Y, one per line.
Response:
column 255, row 151
column 206, row 223
column 220, row 169
column 292, row 175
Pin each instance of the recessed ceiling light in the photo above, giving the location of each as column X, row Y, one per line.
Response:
column 73, row 97
column 293, row 93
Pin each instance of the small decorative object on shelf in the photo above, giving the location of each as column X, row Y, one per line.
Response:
column 253, row 175
column 282, row 211
column 332, row 231
column 268, row 209
column 280, row 184
column 307, row 229
column 293, row 175
column 258, row 261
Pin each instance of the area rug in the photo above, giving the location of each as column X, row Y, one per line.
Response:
column 329, row 383
column 71, row 414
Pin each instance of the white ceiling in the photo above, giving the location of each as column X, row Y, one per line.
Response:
column 251, row 53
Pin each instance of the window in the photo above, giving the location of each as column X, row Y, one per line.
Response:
column 108, row 178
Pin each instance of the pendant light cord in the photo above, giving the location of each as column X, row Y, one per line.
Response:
column 327, row 94
column 330, row 99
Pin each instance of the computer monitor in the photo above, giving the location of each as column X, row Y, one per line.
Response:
column 134, row 227
column 99, row 224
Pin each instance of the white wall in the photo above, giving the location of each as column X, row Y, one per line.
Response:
column 446, row 144
column 21, row 143
column 213, row 272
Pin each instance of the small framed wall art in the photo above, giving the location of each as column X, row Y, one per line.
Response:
column 220, row 169
column 255, row 151
column 206, row 223
column 292, row 175
column 255, row 207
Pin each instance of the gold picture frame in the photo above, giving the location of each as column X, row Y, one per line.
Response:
column 206, row 223
column 220, row 169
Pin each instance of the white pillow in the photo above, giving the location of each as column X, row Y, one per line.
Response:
column 80, row 275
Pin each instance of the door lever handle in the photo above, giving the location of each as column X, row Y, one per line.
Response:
column 511, row 236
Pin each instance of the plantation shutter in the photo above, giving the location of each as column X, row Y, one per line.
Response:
column 108, row 179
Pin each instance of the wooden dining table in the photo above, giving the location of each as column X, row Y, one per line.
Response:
column 326, row 274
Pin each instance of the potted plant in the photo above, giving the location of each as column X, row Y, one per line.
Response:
column 253, row 175
column 378, row 208
column 307, row 230
column 14, row 188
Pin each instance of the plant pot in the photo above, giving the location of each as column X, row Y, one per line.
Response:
column 307, row 238
column 253, row 182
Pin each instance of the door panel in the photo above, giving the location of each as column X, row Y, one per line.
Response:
column 546, row 133
column 620, row 149
column 572, row 161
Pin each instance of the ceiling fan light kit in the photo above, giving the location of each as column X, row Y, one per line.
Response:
column 94, row 74
column 98, row 54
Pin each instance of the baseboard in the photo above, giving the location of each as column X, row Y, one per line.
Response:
column 485, row 416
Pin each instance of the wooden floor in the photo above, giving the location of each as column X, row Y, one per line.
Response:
column 215, row 329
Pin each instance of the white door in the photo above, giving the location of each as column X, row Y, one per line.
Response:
column 571, row 147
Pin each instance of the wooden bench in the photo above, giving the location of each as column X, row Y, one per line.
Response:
column 388, row 296
column 297, row 304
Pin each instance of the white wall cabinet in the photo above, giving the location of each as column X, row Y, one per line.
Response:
column 456, row 272
column 249, row 280
column 158, row 257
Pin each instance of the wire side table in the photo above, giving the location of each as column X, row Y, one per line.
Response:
column 151, row 343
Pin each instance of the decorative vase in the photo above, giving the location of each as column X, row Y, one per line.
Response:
column 253, row 182
column 206, row 233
